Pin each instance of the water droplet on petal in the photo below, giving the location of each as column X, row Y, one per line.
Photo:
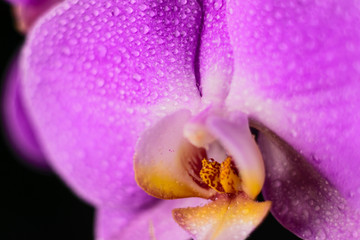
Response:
column 277, row 183
column 137, row 77
column 129, row 10
column 218, row 4
column 146, row 29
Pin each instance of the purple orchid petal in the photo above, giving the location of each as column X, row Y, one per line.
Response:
column 215, row 53
column 297, row 70
column 303, row 201
column 18, row 127
column 96, row 75
column 152, row 223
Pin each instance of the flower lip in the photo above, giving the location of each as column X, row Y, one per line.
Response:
column 167, row 165
column 160, row 169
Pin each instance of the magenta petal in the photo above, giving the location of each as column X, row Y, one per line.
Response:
column 297, row 70
column 15, row 117
column 215, row 53
column 154, row 222
column 303, row 201
column 96, row 75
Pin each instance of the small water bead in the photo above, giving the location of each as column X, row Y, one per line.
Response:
column 218, row 4
column 146, row 29
column 129, row 10
column 116, row 11
column 100, row 82
column 277, row 183
column 137, row 77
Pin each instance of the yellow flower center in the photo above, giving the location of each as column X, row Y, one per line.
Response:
column 221, row 177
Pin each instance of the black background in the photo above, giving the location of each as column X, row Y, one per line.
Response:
column 36, row 205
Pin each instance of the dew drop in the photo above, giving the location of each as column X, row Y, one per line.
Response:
column 160, row 73
column 129, row 10
column 100, row 82
column 137, row 77
column 102, row 50
column 143, row 7
column 277, row 183
column 66, row 50
column 307, row 233
column 320, row 235
column 146, row 29
column 218, row 4
column 116, row 11
column 135, row 53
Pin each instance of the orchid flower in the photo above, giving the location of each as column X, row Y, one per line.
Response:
column 131, row 100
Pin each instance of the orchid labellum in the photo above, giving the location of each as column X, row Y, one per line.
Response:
column 136, row 99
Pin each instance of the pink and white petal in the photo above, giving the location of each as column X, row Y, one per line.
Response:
column 110, row 222
column 235, row 136
column 303, row 201
column 215, row 61
column 96, row 75
column 152, row 222
column 17, row 126
column 297, row 70
column 163, row 160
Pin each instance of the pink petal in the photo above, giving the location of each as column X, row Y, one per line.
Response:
column 215, row 60
column 303, row 201
column 15, row 117
column 96, row 75
column 297, row 70
column 152, row 222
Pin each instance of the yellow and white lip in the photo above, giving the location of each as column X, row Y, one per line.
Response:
column 173, row 160
column 165, row 152
column 162, row 157
column 223, row 219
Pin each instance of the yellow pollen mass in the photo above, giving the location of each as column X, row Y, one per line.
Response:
column 221, row 177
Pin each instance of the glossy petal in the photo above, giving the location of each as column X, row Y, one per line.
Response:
column 96, row 75
column 224, row 218
column 153, row 222
column 297, row 70
column 161, row 159
column 303, row 201
column 18, row 127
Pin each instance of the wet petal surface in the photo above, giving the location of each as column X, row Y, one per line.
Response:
column 154, row 222
column 297, row 72
column 107, row 70
column 303, row 201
